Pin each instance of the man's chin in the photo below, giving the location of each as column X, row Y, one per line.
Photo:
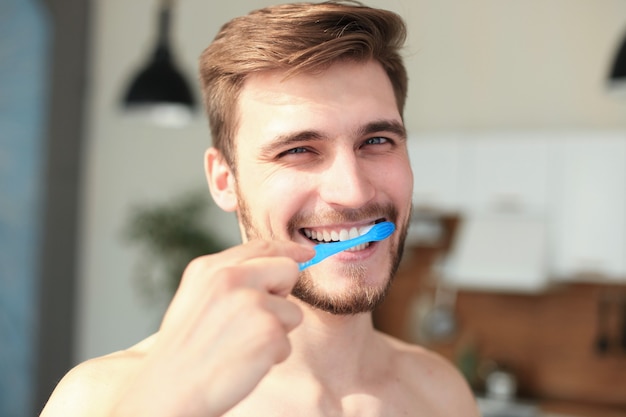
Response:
column 342, row 306
column 353, row 298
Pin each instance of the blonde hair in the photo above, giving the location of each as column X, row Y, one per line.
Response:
column 296, row 38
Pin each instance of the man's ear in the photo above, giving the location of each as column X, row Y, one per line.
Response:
column 220, row 179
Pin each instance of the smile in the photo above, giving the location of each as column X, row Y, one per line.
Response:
column 336, row 235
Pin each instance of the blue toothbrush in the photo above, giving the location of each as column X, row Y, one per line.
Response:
column 378, row 232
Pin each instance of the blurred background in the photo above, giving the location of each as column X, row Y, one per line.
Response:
column 516, row 264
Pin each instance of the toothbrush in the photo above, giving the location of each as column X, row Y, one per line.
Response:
column 378, row 232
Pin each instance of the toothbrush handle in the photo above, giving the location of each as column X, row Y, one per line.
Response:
column 324, row 250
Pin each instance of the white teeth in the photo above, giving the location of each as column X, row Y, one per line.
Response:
column 365, row 229
column 358, row 247
column 338, row 235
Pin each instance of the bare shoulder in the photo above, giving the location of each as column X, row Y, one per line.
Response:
column 88, row 388
column 433, row 377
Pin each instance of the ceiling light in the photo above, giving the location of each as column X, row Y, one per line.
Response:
column 617, row 76
column 159, row 91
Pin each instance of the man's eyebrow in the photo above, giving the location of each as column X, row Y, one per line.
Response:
column 392, row 126
column 285, row 141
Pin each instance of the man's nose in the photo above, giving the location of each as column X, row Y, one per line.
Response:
column 346, row 182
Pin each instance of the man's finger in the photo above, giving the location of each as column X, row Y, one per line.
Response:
column 264, row 248
column 289, row 314
column 276, row 275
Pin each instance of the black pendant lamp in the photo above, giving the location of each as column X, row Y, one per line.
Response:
column 617, row 76
column 159, row 91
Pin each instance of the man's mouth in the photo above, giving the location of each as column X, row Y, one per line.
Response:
column 327, row 235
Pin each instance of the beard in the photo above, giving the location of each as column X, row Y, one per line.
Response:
column 361, row 297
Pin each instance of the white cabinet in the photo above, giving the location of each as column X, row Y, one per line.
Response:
column 501, row 243
column 500, row 252
column 482, row 173
column 589, row 212
column 506, row 173
column 535, row 206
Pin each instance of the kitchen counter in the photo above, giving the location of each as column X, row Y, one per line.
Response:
column 570, row 409
column 501, row 408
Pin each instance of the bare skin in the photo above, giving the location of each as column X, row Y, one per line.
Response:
column 234, row 342
column 400, row 380
column 219, row 337
column 368, row 374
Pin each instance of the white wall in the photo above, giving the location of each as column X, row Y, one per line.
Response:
column 484, row 64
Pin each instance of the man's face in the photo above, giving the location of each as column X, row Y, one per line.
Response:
column 320, row 157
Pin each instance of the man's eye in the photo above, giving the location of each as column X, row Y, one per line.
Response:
column 294, row 151
column 376, row 141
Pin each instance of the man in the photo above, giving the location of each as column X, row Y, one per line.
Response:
column 305, row 106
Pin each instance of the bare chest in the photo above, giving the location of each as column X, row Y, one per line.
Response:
column 296, row 401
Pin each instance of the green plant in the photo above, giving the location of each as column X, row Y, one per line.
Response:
column 170, row 235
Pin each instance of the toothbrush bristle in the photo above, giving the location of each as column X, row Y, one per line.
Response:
column 384, row 230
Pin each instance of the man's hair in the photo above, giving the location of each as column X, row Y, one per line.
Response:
column 295, row 38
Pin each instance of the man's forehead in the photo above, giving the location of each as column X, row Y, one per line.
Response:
column 272, row 87
column 345, row 97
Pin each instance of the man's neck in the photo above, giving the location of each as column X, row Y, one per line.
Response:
column 335, row 349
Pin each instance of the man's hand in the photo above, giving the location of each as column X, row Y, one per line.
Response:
column 225, row 328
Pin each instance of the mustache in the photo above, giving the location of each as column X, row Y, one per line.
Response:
column 372, row 211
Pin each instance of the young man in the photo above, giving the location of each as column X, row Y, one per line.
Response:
column 305, row 105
